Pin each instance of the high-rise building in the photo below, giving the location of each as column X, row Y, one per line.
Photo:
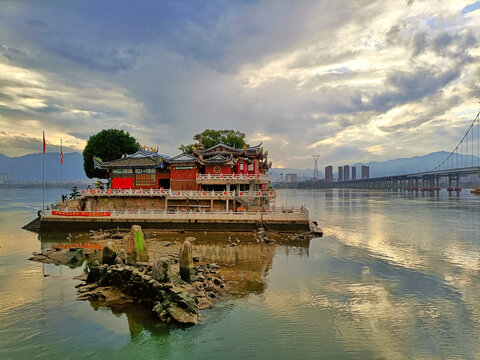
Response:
column 354, row 173
column 365, row 172
column 346, row 172
column 340, row 173
column 291, row 178
column 281, row 177
column 329, row 173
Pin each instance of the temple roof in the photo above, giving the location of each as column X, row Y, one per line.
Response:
column 142, row 159
column 182, row 159
column 219, row 159
column 222, row 148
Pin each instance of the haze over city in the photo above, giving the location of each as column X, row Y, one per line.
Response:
column 353, row 81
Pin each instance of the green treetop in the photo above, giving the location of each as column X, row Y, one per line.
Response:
column 210, row 137
column 107, row 145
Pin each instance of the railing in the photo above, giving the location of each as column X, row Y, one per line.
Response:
column 232, row 177
column 179, row 194
column 277, row 213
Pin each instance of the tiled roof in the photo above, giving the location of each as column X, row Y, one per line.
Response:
column 217, row 159
column 182, row 158
column 138, row 159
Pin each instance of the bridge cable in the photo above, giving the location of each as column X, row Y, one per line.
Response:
column 455, row 152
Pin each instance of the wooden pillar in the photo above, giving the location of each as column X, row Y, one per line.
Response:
column 186, row 205
column 166, row 203
column 211, row 205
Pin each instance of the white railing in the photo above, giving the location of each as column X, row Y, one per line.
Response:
column 231, row 177
column 179, row 194
column 272, row 214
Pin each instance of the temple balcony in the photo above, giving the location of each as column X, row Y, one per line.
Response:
column 221, row 179
column 180, row 194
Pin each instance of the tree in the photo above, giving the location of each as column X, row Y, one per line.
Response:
column 75, row 193
column 210, row 137
column 107, row 145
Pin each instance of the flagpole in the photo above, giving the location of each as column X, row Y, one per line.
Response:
column 43, row 174
column 61, row 161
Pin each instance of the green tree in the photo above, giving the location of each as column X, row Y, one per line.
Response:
column 75, row 193
column 210, row 137
column 107, row 145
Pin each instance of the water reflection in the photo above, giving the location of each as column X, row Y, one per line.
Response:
column 396, row 276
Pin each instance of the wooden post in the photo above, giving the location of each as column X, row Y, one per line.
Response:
column 211, row 205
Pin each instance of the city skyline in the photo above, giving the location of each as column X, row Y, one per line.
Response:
column 351, row 81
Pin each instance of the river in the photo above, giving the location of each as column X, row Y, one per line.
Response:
column 394, row 277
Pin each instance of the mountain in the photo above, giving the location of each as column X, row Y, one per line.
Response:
column 413, row 164
column 29, row 167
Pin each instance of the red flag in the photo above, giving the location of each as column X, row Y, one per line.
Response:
column 61, row 152
column 44, row 145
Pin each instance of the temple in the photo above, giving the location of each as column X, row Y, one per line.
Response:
column 239, row 176
column 220, row 188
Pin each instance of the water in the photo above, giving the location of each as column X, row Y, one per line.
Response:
column 394, row 277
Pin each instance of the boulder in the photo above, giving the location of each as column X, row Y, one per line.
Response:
column 109, row 253
column 76, row 256
column 181, row 316
column 96, row 273
column 137, row 249
column 186, row 262
column 161, row 270
column 122, row 255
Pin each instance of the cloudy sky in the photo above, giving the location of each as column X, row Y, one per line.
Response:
column 350, row 80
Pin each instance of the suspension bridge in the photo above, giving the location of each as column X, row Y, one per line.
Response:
column 462, row 161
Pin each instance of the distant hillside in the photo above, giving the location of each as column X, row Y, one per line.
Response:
column 410, row 165
column 382, row 168
column 29, row 167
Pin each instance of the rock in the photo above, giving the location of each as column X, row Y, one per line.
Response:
column 190, row 238
column 217, row 281
column 186, row 262
column 122, row 255
column 118, row 260
column 76, row 256
column 181, row 316
column 200, row 278
column 204, row 303
column 82, row 277
column 161, row 312
column 96, row 273
column 109, row 253
column 161, row 270
column 137, row 250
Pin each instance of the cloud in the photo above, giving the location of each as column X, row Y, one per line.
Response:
column 336, row 78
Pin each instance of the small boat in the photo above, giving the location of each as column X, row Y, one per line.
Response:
column 475, row 191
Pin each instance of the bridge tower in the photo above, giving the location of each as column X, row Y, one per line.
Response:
column 315, row 166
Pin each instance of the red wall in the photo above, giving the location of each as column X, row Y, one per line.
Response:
column 184, row 179
column 122, row 183
column 225, row 169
